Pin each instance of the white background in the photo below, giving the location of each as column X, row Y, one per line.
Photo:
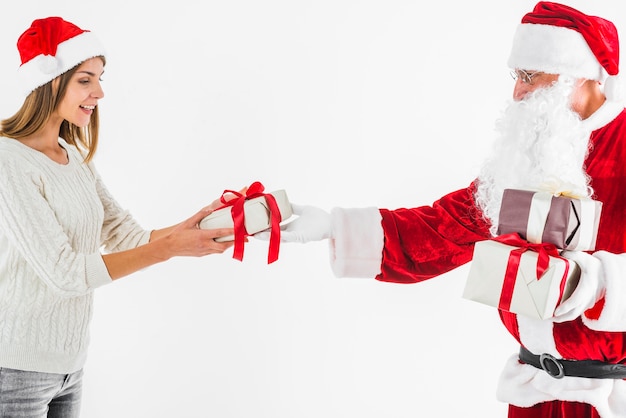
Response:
column 341, row 103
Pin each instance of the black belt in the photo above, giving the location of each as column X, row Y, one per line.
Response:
column 558, row 368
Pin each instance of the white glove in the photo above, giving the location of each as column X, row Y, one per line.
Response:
column 312, row 224
column 588, row 291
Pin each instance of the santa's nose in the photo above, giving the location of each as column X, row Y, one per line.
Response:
column 521, row 89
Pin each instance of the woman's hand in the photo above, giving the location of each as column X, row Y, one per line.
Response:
column 183, row 239
column 187, row 239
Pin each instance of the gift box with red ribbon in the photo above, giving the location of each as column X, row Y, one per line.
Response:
column 541, row 217
column 511, row 274
column 248, row 214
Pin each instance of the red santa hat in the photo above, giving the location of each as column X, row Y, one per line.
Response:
column 558, row 39
column 49, row 48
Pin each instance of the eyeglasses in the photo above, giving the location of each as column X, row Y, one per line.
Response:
column 526, row 77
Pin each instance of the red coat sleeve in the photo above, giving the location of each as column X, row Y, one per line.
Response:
column 423, row 242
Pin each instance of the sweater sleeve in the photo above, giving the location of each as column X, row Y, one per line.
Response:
column 33, row 234
column 120, row 231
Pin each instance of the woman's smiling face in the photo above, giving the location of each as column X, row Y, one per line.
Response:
column 82, row 93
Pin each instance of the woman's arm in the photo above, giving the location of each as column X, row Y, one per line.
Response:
column 183, row 239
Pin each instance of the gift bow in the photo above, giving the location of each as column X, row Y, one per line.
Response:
column 237, row 212
column 544, row 250
column 561, row 189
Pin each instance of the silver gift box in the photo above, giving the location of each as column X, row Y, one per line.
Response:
column 256, row 215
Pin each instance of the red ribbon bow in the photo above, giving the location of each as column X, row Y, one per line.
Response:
column 544, row 250
column 237, row 212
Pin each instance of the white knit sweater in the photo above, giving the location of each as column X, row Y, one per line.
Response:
column 54, row 222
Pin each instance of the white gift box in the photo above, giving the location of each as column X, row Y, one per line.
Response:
column 532, row 297
column 256, row 215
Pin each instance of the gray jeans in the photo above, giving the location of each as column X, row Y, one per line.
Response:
column 26, row 394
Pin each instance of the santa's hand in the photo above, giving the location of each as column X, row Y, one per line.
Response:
column 588, row 291
column 312, row 224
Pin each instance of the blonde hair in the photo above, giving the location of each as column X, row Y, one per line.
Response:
column 37, row 110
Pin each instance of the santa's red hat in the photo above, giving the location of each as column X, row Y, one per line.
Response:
column 558, row 39
column 50, row 47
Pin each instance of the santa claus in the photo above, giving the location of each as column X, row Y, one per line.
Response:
column 564, row 130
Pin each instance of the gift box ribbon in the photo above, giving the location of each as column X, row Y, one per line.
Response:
column 540, row 209
column 237, row 212
column 544, row 250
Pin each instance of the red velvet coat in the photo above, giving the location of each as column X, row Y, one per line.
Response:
column 423, row 242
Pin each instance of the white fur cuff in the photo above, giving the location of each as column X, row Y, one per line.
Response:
column 357, row 245
column 613, row 315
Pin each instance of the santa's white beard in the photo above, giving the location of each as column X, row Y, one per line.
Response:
column 540, row 145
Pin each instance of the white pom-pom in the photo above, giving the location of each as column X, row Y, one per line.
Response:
column 614, row 89
column 48, row 64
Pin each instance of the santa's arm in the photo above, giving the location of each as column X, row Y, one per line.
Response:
column 609, row 312
column 406, row 245
column 599, row 295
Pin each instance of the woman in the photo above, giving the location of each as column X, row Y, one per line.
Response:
column 55, row 216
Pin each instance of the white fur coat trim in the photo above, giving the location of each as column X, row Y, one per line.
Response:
column 613, row 271
column 524, row 385
column 357, row 245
